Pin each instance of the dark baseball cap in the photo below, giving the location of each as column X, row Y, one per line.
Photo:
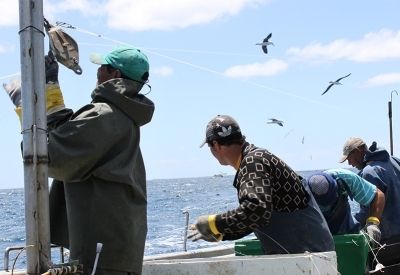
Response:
column 221, row 127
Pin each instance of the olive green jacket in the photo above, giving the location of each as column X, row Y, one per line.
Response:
column 99, row 192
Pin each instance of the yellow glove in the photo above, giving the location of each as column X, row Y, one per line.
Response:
column 54, row 98
column 205, row 229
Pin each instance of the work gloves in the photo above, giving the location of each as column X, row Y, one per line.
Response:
column 54, row 97
column 51, row 68
column 374, row 233
column 372, row 230
column 13, row 89
column 205, row 229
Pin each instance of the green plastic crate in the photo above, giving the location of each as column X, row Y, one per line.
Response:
column 352, row 253
column 248, row 247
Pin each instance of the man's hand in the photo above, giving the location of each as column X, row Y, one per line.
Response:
column 202, row 230
column 51, row 68
column 13, row 89
column 374, row 233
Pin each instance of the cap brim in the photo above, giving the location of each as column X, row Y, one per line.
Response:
column 202, row 144
column 343, row 159
column 97, row 58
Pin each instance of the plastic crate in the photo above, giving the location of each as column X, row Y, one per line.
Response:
column 248, row 247
column 352, row 253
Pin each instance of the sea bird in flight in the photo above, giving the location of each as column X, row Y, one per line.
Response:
column 275, row 121
column 265, row 43
column 336, row 82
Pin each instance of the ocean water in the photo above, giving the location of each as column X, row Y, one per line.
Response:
column 168, row 199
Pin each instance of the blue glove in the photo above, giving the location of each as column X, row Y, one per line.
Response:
column 202, row 230
column 51, row 68
column 13, row 89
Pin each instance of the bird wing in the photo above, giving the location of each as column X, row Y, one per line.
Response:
column 268, row 37
column 264, row 48
column 327, row 88
column 343, row 77
column 280, row 123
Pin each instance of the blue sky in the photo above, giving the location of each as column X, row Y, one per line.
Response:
column 204, row 62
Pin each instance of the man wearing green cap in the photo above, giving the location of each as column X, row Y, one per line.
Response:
column 98, row 195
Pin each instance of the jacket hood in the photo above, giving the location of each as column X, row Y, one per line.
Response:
column 376, row 154
column 124, row 94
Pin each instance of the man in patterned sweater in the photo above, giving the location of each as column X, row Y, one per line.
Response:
column 274, row 202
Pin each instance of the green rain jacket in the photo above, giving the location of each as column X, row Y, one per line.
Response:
column 99, row 189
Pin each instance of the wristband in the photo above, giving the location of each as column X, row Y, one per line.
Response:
column 211, row 224
column 373, row 220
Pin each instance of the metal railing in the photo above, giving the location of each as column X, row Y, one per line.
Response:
column 12, row 248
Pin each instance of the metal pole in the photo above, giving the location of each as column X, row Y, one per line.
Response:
column 390, row 122
column 186, row 212
column 34, row 136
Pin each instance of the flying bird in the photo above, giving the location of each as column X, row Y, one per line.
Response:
column 265, row 43
column 275, row 121
column 336, row 82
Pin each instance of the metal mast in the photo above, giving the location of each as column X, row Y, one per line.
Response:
column 390, row 122
column 34, row 136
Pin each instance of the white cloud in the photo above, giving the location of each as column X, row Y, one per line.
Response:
column 86, row 7
column 51, row 9
column 162, row 71
column 374, row 46
column 383, row 79
column 269, row 68
column 138, row 15
column 143, row 15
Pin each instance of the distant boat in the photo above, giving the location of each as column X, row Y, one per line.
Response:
column 219, row 175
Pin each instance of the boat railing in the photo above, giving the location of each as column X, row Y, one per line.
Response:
column 21, row 248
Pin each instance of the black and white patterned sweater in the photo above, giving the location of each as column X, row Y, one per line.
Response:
column 264, row 184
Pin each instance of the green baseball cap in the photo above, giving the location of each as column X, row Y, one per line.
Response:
column 130, row 61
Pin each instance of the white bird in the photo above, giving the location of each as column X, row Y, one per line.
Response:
column 336, row 82
column 275, row 121
column 265, row 43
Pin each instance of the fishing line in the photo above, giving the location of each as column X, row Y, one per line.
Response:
column 334, row 267
column 19, row 253
column 10, row 75
column 202, row 68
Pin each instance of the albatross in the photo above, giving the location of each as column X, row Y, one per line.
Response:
column 336, row 82
column 265, row 43
column 275, row 121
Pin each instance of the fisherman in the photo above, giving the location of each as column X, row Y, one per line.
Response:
column 378, row 167
column 274, row 202
column 99, row 192
column 332, row 189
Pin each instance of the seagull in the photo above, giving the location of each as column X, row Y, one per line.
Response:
column 265, row 43
column 336, row 82
column 275, row 121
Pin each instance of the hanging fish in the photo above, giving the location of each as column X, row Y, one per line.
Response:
column 63, row 46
